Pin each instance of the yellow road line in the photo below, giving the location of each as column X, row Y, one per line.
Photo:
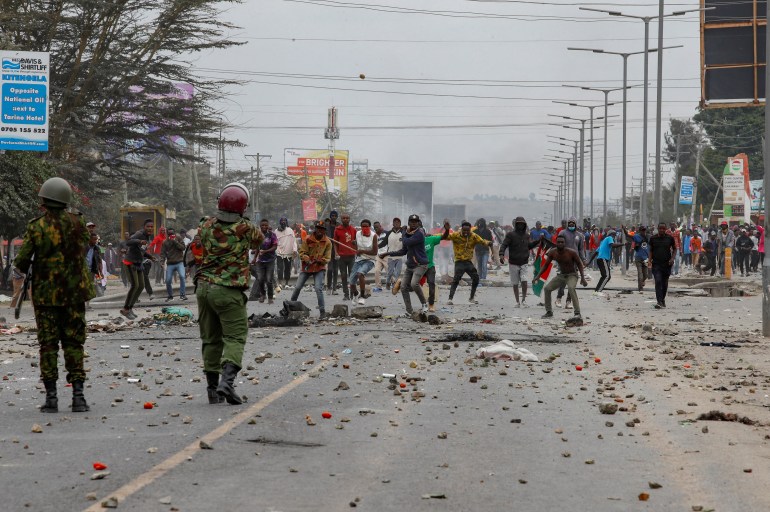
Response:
column 193, row 448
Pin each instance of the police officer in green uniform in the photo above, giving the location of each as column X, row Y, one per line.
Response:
column 55, row 247
column 221, row 280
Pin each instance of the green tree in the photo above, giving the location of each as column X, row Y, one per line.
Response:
column 123, row 89
column 21, row 174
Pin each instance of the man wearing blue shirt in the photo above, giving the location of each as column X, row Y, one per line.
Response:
column 603, row 255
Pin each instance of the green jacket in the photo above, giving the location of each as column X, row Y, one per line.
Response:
column 55, row 246
column 226, row 251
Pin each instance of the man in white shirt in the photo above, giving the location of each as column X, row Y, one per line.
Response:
column 287, row 248
column 366, row 253
column 380, row 263
column 394, row 244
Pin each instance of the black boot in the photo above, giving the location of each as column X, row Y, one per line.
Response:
column 226, row 388
column 51, row 400
column 212, row 379
column 78, row 400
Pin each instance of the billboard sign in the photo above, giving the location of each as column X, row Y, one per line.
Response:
column 755, row 186
column 311, row 168
column 733, row 53
column 24, row 101
column 733, row 189
column 686, row 190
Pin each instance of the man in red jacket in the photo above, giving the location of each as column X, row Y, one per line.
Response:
column 345, row 245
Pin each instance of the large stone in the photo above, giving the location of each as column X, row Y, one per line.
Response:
column 608, row 408
column 340, row 310
column 364, row 312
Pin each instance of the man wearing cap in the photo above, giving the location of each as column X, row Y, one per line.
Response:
column 91, row 227
column 416, row 264
column 641, row 254
column 518, row 244
column 54, row 250
column 315, row 253
column 221, row 282
column 463, row 243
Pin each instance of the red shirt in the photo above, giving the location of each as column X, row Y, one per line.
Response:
column 347, row 236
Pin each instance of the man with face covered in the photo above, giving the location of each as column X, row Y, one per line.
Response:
column 518, row 243
column 463, row 243
column 569, row 263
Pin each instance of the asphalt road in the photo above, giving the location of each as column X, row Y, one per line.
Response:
column 461, row 435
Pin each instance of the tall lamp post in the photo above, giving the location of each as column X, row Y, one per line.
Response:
column 582, row 157
column 646, row 20
column 606, row 104
column 591, row 145
column 625, row 56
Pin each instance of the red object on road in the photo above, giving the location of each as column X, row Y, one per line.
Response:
column 148, row 405
column 579, row 368
column 597, row 360
column 326, row 414
column 98, row 466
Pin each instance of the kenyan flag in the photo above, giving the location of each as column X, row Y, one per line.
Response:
column 537, row 287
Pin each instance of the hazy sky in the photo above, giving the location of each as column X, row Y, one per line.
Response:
column 454, row 70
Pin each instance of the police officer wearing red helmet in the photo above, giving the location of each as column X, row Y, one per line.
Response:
column 221, row 280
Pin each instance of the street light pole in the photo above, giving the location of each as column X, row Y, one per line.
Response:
column 255, row 202
column 646, row 20
column 591, row 141
column 625, row 56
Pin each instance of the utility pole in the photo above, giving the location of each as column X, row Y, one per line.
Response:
column 332, row 133
column 766, row 222
column 676, row 176
column 256, row 211
column 695, row 185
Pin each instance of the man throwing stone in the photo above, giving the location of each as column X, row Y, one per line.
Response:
column 221, row 282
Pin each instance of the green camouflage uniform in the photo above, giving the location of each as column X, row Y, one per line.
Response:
column 221, row 280
column 61, row 285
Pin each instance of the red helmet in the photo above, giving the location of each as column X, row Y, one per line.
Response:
column 234, row 198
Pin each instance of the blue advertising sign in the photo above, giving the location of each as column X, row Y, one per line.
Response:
column 686, row 190
column 24, row 92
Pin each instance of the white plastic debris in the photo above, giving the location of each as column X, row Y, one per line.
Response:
column 506, row 350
